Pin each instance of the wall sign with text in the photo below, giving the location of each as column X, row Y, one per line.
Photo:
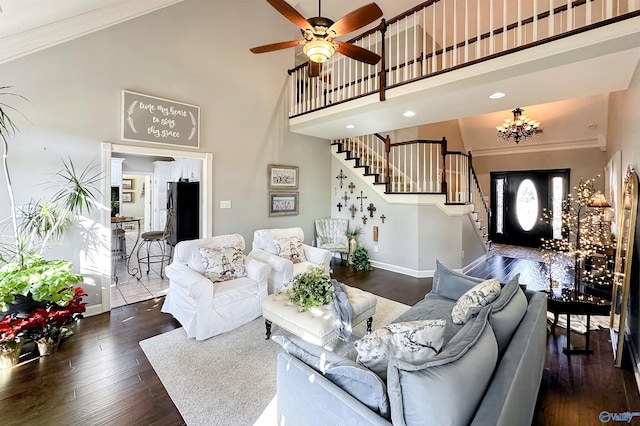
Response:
column 151, row 119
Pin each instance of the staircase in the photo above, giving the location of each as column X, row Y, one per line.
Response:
column 418, row 167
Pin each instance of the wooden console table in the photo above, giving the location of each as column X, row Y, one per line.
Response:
column 570, row 303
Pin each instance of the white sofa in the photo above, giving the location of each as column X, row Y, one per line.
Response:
column 282, row 269
column 204, row 308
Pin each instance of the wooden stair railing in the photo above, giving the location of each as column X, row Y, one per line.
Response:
column 409, row 168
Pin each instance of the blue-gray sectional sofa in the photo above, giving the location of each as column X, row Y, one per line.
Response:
column 487, row 373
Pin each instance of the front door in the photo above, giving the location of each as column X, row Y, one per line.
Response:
column 520, row 201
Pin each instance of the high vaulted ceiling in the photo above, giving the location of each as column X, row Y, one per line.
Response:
column 572, row 111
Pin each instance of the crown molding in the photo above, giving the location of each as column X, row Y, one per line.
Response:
column 21, row 44
column 525, row 148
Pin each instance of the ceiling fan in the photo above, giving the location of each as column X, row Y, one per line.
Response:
column 319, row 35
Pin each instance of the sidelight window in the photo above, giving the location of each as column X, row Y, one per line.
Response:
column 500, row 206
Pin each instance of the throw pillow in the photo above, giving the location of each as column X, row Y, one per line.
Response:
column 290, row 248
column 222, row 263
column 447, row 388
column 506, row 313
column 356, row 380
column 451, row 284
column 412, row 341
column 470, row 303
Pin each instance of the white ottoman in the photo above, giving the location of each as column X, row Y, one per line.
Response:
column 316, row 325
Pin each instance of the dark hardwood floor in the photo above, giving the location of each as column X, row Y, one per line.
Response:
column 100, row 376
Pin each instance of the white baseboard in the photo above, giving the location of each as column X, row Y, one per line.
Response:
column 402, row 270
column 474, row 263
column 93, row 310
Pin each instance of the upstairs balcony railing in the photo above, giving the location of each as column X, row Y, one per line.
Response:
column 442, row 35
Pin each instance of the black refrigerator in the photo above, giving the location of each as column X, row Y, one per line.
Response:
column 183, row 210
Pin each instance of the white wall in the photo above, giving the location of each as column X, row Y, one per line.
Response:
column 136, row 207
column 412, row 236
column 195, row 52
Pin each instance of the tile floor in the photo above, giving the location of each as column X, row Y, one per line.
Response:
column 131, row 287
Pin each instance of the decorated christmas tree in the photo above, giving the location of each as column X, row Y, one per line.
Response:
column 580, row 241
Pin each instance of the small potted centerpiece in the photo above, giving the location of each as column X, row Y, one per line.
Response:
column 310, row 289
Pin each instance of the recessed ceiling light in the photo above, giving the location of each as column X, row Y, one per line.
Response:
column 350, row 126
column 497, row 95
column 409, row 113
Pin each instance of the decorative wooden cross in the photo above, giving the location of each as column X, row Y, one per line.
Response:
column 364, row 219
column 382, row 217
column 341, row 177
column 371, row 209
column 361, row 197
column 345, row 198
column 352, row 187
column 339, row 206
column 353, row 209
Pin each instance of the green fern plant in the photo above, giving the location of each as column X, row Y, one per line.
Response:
column 360, row 258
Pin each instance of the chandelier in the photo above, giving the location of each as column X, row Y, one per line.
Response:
column 517, row 128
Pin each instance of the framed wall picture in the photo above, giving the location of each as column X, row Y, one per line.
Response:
column 283, row 203
column 283, row 177
column 128, row 197
column 128, row 184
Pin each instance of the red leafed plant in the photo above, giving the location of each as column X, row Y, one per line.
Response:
column 13, row 332
column 48, row 322
column 41, row 322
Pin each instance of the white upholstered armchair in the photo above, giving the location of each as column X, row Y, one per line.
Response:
column 231, row 297
column 284, row 251
column 331, row 234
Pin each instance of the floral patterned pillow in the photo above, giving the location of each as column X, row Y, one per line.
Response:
column 412, row 341
column 470, row 303
column 290, row 248
column 222, row 263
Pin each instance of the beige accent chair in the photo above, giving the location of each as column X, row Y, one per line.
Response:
column 205, row 308
column 265, row 249
column 331, row 234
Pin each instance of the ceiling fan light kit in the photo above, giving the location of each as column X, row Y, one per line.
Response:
column 319, row 50
column 518, row 128
column 319, row 35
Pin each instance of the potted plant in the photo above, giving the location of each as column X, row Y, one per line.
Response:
column 360, row 259
column 310, row 289
column 30, row 285
column 12, row 336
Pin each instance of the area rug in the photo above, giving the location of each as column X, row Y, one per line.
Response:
column 230, row 379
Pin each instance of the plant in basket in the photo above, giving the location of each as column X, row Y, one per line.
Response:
column 47, row 326
column 13, row 332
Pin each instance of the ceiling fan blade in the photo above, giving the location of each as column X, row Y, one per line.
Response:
column 357, row 53
column 290, row 13
column 314, row 68
column 357, row 19
column 276, row 46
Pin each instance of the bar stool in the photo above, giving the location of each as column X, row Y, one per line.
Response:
column 160, row 255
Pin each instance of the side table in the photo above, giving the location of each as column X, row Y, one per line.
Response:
column 571, row 303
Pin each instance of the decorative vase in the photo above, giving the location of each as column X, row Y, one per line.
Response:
column 353, row 244
column 9, row 356
column 47, row 345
